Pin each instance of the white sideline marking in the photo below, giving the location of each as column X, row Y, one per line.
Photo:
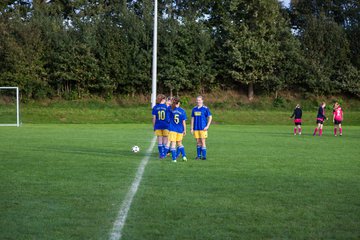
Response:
column 121, row 217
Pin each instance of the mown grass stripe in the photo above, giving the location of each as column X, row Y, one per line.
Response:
column 125, row 207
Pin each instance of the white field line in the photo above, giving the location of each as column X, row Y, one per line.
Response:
column 125, row 207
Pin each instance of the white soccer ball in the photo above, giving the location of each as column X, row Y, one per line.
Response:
column 135, row 149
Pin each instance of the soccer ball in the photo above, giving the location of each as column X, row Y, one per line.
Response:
column 135, row 149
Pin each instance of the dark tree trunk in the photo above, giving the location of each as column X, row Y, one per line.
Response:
column 251, row 91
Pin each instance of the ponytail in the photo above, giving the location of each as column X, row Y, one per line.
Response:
column 159, row 98
column 175, row 102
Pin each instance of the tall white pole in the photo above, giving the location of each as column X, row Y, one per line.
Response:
column 17, row 108
column 154, row 60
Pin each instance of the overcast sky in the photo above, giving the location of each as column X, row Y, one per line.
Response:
column 285, row 2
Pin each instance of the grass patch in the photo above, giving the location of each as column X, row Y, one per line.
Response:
column 8, row 114
column 68, row 181
column 142, row 114
column 65, row 181
column 259, row 183
column 227, row 107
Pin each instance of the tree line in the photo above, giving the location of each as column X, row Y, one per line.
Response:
column 75, row 49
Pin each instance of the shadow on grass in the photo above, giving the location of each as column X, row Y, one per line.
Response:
column 291, row 134
column 91, row 151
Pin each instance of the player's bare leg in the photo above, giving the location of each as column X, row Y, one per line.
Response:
column 340, row 129
column 164, row 141
column 321, row 129
column 335, row 129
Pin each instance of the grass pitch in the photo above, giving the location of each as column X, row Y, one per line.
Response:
column 259, row 182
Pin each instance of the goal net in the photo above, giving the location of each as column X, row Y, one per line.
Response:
column 9, row 106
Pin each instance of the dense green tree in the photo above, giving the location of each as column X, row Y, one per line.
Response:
column 199, row 62
column 185, row 46
column 21, row 51
column 327, row 31
column 253, row 46
column 78, row 48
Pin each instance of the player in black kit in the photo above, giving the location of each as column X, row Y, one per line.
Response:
column 297, row 114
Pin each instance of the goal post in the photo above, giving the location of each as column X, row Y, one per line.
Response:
column 17, row 123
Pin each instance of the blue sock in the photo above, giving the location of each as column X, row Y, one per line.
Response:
column 166, row 150
column 198, row 148
column 203, row 150
column 182, row 150
column 177, row 152
column 160, row 148
column 163, row 148
column 173, row 153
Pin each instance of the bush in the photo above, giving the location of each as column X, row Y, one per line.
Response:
column 279, row 102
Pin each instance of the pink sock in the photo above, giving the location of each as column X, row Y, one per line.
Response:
column 320, row 132
column 340, row 130
column 335, row 131
column 300, row 130
column 315, row 131
column 294, row 130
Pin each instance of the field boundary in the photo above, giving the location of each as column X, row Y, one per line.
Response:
column 125, row 207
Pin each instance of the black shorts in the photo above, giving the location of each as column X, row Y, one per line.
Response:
column 337, row 122
column 298, row 123
column 319, row 121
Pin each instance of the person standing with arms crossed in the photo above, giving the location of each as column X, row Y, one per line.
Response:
column 200, row 122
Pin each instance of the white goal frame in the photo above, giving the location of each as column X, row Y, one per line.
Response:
column 17, row 124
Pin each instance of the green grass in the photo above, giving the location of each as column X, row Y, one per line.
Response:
column 7, row 114
column 226, row 107
column 259, row 182
column 110, row 114
column 65, row 181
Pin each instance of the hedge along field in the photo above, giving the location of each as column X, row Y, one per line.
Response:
column 228, row 107
column 142, row 114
